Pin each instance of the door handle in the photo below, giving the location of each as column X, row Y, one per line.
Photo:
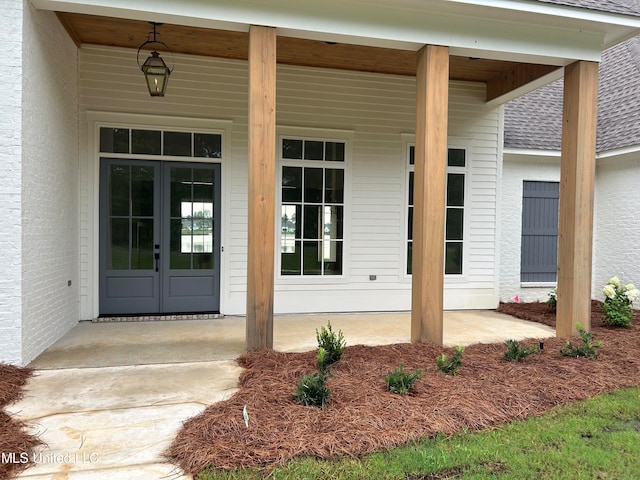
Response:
column 157, row 258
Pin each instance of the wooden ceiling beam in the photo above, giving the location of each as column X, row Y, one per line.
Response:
column 514, row 77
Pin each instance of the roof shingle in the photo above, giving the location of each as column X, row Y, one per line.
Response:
column 625, row 7
column 534, row 121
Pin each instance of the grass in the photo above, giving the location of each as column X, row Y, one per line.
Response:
column 595, row 439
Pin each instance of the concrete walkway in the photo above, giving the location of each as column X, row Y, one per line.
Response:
column 108, row 398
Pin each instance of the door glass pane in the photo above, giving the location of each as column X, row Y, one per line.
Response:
column 180, row 190
column 177, row 143
column 313, row 185
column 192, row 193
column 119, row 190
column 146, row 142
column 203, row 188
column 179, row 242
column 334, row 185
column 142, row 191
column 207, row 145
column 203, row 261
column 202, row 236
column 291, row 184
column 118, row 246
column 142, row 244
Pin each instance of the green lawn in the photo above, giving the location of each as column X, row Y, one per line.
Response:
column 595, row 439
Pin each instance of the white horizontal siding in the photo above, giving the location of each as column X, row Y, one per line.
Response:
column 379, row 110
column 199, row 88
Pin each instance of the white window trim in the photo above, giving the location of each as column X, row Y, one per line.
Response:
column 325, row 135
column 408, row 140
column 89, row 299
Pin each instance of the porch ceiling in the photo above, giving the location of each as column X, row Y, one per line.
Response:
column 500, row 76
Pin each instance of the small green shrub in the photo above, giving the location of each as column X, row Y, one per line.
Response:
column 400, row 381
column 516, row 353
column 450, row 366
column 323, row 366
column 312, row 391
column 552, row 302
column 588, row 348
column 332, row 343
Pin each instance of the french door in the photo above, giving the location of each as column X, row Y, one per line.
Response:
column 159, row 237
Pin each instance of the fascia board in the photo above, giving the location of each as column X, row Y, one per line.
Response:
column 527, row 155
column 499, row 33
column 616, row 27
column 624, row 152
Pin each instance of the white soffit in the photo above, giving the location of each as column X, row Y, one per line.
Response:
column 498, row 29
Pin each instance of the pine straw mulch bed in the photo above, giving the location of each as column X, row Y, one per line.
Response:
column 13, row 436
column 363, row 416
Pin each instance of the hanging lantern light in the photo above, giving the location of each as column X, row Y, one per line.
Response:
column 156, row 71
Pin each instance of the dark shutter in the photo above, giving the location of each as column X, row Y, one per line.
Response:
column 539, row 248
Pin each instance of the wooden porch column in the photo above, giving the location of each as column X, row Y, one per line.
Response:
column 432, row 106
column 577, row 177
column 262, row 174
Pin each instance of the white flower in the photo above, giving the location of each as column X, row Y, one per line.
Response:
column 609, row 291
column 614, row 281
column 629, row 286
column 633, row 294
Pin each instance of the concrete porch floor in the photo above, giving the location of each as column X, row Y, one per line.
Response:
column 108, row 398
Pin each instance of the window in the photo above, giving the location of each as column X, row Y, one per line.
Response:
column 539, row 246
column 454, row 219
column 160, row 142
column 312, row 207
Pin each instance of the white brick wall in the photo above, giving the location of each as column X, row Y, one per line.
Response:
column 616, row 244
column 10, row 173
column 617, row 225
column 516, row 169
column 49, row 183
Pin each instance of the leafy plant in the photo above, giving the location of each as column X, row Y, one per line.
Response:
column 588, row 348
column 323, row 366
column 516, row 353
column 332, row 343
column 400, row 381
column 450, row 366
column 552, row 302
column 617, row 303
column 312, row 391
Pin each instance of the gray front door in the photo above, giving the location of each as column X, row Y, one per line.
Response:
column 159, row 237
